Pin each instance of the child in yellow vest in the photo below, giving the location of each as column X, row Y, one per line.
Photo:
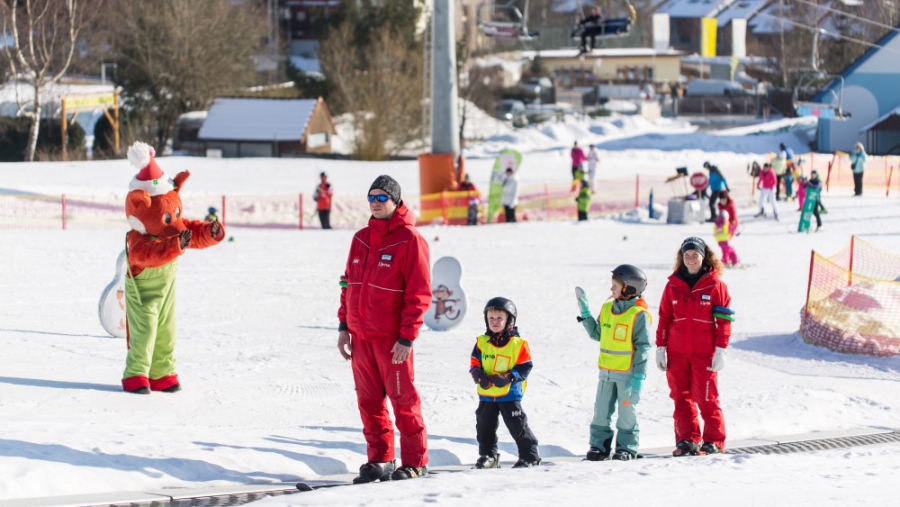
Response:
column 622, row 330
column 500, row 363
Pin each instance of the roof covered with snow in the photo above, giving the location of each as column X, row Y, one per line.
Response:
column 693, row 8
column 739, row 9
column 603, row 53
column 247, row 119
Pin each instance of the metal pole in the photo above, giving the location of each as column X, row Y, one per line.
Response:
column 65, row 123
column 444, row 121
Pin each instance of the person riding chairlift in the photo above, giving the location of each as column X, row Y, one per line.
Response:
column 596, row 25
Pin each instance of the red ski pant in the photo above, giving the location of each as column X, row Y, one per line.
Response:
column 376, row 378
column 692, row 385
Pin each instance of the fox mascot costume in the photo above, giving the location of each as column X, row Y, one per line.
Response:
column 158, row 236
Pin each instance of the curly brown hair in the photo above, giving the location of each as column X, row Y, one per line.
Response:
column 710, row 260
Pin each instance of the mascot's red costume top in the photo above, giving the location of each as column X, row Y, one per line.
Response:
column 158, row 236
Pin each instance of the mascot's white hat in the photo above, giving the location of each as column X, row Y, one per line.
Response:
column 149, row 177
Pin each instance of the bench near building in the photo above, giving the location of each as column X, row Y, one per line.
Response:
column 251, row 127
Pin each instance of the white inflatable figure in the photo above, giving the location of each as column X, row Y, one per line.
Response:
column 112, row 301
column 448, row 299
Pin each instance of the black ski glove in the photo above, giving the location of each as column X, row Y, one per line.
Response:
column 481, row 378
column 500, row 380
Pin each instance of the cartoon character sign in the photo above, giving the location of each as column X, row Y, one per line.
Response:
column 449, row 302
column 112, row 302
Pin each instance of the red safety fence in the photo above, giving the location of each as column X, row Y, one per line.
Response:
column 853, row 301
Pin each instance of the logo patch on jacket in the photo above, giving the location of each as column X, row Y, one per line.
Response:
column 387, row 257
column 705, row 297
column 355, row 261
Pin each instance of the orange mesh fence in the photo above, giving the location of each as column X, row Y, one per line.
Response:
column 854, row 310
column 880, row 171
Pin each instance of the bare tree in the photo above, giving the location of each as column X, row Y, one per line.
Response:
column 381, row 84
column 175, row 56
column 42, row 39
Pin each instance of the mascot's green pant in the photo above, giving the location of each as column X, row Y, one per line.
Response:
column 150, row 311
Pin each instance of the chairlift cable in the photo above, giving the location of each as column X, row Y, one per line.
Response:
column 849, row 15
column 824, row 31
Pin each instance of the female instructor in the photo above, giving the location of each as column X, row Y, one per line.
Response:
column 693, row 333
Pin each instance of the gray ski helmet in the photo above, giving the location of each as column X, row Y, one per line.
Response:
column 499, row 303
column 635, row 280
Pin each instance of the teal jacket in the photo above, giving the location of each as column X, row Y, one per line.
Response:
column 858, row 160
column 640, row 337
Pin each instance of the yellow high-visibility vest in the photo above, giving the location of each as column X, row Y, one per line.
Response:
column 721, row 234
column 616, row 347
column 499, row 360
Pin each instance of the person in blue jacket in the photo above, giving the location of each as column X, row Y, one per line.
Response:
column 858, row 163
column 500, row 364
column 717, row 183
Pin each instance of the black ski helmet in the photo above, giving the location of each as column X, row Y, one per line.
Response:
column 634, row 279
column 499, row 303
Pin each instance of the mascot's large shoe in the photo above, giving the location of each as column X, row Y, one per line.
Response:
column 159, row 235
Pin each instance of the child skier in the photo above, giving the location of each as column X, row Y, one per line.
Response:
column 622, row 330
column 801, row 190
column 584, row 200
column 723, row 234
column 500, row 363
column 767, row 184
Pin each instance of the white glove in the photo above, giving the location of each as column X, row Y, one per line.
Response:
column 661, row 362
column 718, row 361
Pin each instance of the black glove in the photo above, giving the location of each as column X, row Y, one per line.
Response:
column 184, row 238
column 500, row 380
column 481, row 378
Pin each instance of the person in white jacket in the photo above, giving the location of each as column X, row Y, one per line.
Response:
column 510, row 197
column 592, row 159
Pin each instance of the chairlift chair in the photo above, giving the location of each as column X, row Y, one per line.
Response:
column 609, row 28
column 505, row 20
column 820, row 109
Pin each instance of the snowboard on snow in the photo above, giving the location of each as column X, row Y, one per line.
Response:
column 809, row 205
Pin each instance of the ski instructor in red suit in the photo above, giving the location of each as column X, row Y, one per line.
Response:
column 386, row 289
column 693, row 333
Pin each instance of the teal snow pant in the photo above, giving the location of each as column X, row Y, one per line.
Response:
column 609, row 395
column 150, row 310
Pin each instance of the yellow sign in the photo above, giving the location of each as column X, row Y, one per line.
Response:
column 708, row 28
column 89, row 103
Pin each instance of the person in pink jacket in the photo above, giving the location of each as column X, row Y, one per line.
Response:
column 766, row 185
column 578, row 158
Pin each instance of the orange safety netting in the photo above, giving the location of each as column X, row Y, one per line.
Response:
column 853, row 301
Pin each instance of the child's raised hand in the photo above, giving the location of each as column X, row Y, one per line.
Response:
column 582, row 302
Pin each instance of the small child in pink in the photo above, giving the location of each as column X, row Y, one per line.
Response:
column 723, row 235
column 801, row 191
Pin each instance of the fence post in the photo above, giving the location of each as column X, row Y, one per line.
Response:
column 64, row 211
column 887, row 191
column 850, row 270
column 444, row 206
column 812, row 260
column 637, row 190
column 300, row 203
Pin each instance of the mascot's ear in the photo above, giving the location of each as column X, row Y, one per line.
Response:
column 180, row 178
column 138, row 199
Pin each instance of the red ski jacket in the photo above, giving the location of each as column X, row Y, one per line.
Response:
column 687, row 324
column 388, row 280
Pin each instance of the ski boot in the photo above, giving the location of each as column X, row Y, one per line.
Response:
column 408, row 472
column 710, row 448
column 488, row 462
column 374, row 471
column 686, row 448
column 623, row 456
column 595, row 454
column 522, row 463
column 760, row 214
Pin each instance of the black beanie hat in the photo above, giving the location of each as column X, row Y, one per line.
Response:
column 389, row 185
column 694, row 243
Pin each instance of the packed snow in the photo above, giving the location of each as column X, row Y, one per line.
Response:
column 268, row 399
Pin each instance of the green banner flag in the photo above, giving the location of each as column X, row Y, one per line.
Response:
column 812, row 197
column 506, row 159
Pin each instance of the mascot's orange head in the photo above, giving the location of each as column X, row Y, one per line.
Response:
column 153, row 205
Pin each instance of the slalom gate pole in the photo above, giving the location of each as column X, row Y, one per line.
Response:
column 812, row 261
column 300, row 203
column 64, row 218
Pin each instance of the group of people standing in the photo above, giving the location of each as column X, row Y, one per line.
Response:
column 386, row 289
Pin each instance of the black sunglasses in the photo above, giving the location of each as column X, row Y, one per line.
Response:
column 379, row 198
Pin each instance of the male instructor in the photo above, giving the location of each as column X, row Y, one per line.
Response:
column 386, row 289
